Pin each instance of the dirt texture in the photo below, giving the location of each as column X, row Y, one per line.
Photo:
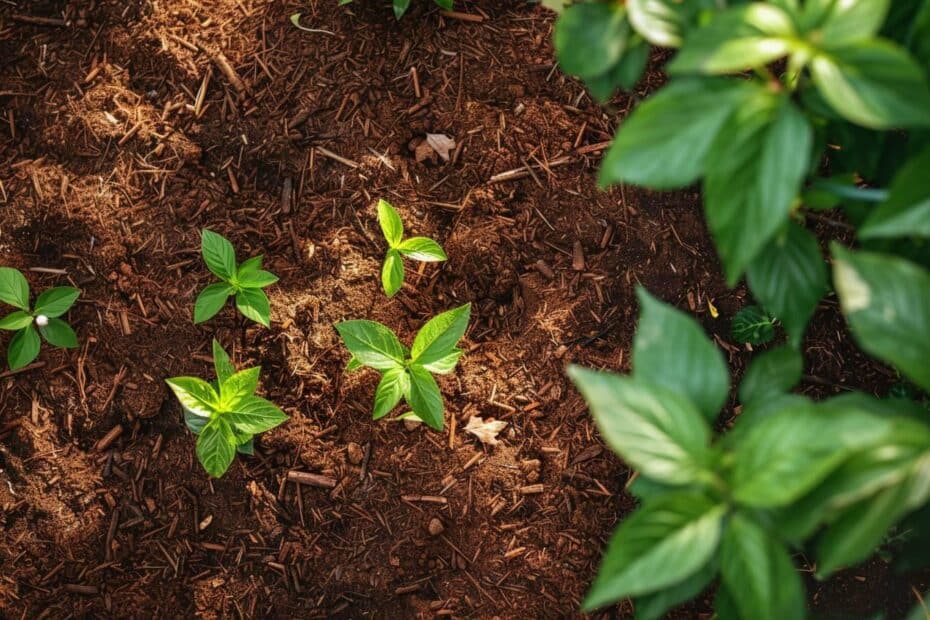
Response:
column 127, row 127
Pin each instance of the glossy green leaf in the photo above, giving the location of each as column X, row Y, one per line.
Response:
column 195, row 395
column 874, row 84
column 625, row 74
column 771, row 373
column 655, row 605
column 392, row 273
column 249, row 267
column 218, row 254
column 253, row 415
column 59, row 334
column 400, row 7
column 656, row 430
column 444, row 365
column 256, row 278
column 887, row 303
column 664, row 142
column 438, row 337
column 789, row 277
column 755, row 169
column 422, row 249
column 751, row 325
column 425, row 398
column 14, row 289
column 221, row 363
column 394, row 385
column 671, row 350
column 589, row 39
column 372, row 344
column 194, row 422
column 667, row 540
column 851, row 21
column 210, row 301
column 906, row 213
column 253, row 304
column 391, row 225
column 661, row 22
column 758, row 573
column 216, row 447
column 15, row 321
column 23, row 348
column 56, row 301
column 239, row 386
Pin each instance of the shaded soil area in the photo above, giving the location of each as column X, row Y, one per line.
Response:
column 126, row 127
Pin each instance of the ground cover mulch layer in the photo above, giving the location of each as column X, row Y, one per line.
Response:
column 126, row 127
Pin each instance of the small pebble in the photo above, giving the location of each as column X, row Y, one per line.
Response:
column 435, row 527
column 355, row 453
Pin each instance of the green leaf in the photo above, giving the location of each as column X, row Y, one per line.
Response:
column 444, row 4
column 755, row 169
column 920, row 611
column 253, row 304
column 656, row 430
column 666, row 541
column 238, row 387
column 663, row 144
column 887, row 303
column 59, row 334
column 400, row 7
column 256, row 278
column 218, row 254
column 787, row 453
column 736, row 39
column 210, row 301
column 23, row 348
column 372, row 344
column 15, row 321
column 254, row 415
column 589, row 39
column 56, row 301
column 221, row 362
column 661, row 22
column 758, row 573
column 246, row 447
column 216, row 447
column 14, row 289
column 195, row 395
column 625, row 73
column 249, row 266
column 425, row 398
column 771, row 373
column 671, row 350
column 394, row 384
column 789, row 276
column 753, row 326
column 874, row 84
column 851, row 21
column 655, row 605
column 422, row 249
column 438, row 337
column 391, row 224
column 906, row 213
column 194, row 422
column 444, row 365
column 353, row 365
column 392, row 272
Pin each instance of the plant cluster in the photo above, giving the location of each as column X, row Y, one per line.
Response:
column 400, row 6
column 782, row 110
column 41, row 322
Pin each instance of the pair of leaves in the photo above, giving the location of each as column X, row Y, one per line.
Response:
column 408, row 375
column 420, row 249
column 31, row 326
column 244, row 281
column 231, row 414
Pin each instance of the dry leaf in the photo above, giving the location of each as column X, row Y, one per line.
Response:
column 485, row 431
column 441, row 143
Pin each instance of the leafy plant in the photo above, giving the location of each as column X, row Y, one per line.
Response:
column 791, row 475
column 400, row 6
column 416, row 248
column 244, row 281
column 42, row 320
column 225, row 415
column 753, row 326
column 408, row 373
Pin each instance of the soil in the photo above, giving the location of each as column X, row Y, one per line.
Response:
column 126, row 127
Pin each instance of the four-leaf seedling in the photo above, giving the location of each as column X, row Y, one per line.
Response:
column 416, row 248
column 245, row 281
column 226, row 415
column 408, row 374
column 42, row 319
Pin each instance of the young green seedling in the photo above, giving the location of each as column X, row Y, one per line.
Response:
column 29, row 324
column 422, row 249
column 245, row 281
column 408, row 374
column 224, row 415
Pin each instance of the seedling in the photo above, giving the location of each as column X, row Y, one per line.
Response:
column 408, row 373
column 29, row 324
column 401, row 6
column 225, row 415
column 422, row 249
column 245, row 281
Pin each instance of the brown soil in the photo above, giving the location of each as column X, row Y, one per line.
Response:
column 110, row 164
